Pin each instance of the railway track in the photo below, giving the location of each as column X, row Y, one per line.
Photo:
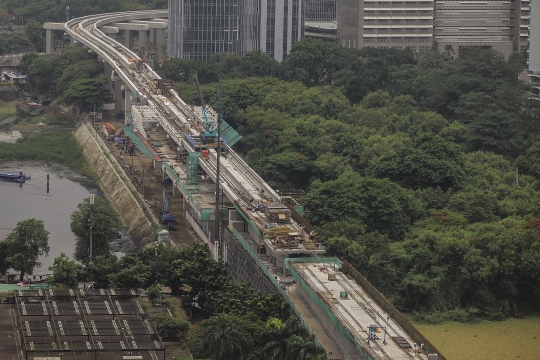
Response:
column 240, row 183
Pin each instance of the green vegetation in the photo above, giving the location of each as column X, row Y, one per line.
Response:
column 7, row 109
column 48, row 147
column 510, row 339
column 22, row 247
column 105, row 224
column 420, row 169
column 234, row 321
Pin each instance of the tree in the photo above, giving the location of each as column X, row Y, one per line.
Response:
column 258, row 64
column 380, row 204
column 44, row 70
column 26, row 243
column 84, row 69
column 170, row 327
column 275, row 337
column 102, row 271
column 222, row 337
column 431, row 161
column 26, row 61
column 105, row 225
column 36, row 34
column 65, row 272
column 4, row 264
column 86, row 93
column 303, row 348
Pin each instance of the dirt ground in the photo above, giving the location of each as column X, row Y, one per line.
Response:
column 184, row 235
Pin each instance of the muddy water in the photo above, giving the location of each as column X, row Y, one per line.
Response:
column 30, row 200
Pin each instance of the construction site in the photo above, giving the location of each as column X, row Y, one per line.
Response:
column 181, row 159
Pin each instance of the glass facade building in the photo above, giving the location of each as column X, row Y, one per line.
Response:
column 195, row 27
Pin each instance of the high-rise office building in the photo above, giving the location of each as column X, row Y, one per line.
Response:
column 421, row 24
column 493, row 24
column 395, row 24
column 195, row 27
column 534, row 49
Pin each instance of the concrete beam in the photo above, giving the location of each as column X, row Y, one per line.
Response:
column 109, row 29
column 54, row 26
column 130, row 26
column 152, row 24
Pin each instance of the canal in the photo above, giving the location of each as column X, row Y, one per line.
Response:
column 30, row 200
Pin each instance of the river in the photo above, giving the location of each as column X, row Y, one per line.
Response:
column 30, row 200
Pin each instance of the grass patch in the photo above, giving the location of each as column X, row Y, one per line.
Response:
column 7, row 109
column 56, row 119
column 49, row 147
column 508, row 339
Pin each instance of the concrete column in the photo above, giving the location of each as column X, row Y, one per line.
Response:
column 142, row 41
column 128, row 38
column 49, row 48
column 128, row 103
column 153, row 35
column 117, row 96
column 108, row 76
column 160, row 40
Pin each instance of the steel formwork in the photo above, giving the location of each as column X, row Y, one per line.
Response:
column 93, row 323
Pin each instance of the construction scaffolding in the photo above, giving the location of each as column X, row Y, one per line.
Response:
column 85, row 324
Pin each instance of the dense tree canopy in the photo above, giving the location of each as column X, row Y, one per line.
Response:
column 420, row 169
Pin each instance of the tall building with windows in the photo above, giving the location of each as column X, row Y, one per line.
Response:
column 395, row 24
column 195, row 27
column 494, row 24
column 448, row 25
column 534, row 49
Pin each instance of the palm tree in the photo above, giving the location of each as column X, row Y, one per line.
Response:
column 303, row 348
column 222, row 338
column 275, row 337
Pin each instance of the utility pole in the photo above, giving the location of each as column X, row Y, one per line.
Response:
column 218, row 150
column 90, row 221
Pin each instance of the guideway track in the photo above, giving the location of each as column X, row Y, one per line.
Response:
column 239, row 182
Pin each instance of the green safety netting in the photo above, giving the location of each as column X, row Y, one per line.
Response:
column 130, row 132
column 230, row 135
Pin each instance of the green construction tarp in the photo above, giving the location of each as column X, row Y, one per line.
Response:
column 130, row 132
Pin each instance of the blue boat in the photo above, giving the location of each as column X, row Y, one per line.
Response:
column 20, row 177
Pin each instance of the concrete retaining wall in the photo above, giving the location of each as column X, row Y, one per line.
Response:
column 137, row 219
